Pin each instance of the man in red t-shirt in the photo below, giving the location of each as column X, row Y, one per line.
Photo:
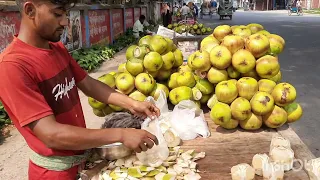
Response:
column 39, row 81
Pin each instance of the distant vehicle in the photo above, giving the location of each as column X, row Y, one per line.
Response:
column 235, row 5
column 294, row 9
column 225, row 9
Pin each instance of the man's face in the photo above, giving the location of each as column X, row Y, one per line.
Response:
column 48, row 20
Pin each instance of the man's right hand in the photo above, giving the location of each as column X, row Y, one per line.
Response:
column 138, row 140
column 60, row 136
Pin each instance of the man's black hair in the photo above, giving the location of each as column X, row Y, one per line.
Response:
column 142, row 17
column 66, row 4
column 184, row 4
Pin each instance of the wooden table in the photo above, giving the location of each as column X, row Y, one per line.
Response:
column 227, row 148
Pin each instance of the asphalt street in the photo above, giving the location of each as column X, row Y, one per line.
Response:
column 300, row 62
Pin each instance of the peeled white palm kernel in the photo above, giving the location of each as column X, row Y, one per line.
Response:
column 192, row 176
column 282, row 155
column 178, row 168
column 192, row 165
column 171, row 158
column 242, row 171
column 172, row 138
column 174, row 151
column 186, row 156
column 119, row 162
column 147, row 178
column 278, row 140
column 179, row 177
column 118, row 170
column 105, row 175
column 170, row 170
column 198, row 156
column 180, row 165
column 164, row 126
column 258, row 161
column 196, row 93
column 187, row 171
column 313, row 169
column 154, row 157
column 128, row 162
column 124, row 175
column 137, row 163
column 273, row 171
column 130, row 178
column 155, row 163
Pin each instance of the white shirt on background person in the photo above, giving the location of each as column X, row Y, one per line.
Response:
column 185, row 10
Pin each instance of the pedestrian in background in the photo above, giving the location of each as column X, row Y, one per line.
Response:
column 185, row 10
column 175, row 7
column 195, row 10
column 214, row 5
column 164, row 12
column 169, row 14
column 298, row 5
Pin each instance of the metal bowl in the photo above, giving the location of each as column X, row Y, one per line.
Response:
column 113, row 151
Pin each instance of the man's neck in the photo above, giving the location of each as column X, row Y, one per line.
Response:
column 28, row 36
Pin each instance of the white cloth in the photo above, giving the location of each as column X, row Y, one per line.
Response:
column 145, row 23
column 185, row 10
column 298, row 3
column 138, row 27
column 175, row 9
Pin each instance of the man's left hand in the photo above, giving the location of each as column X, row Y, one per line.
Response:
column 145, row 109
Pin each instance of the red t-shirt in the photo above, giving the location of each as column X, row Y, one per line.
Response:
column 35, row 83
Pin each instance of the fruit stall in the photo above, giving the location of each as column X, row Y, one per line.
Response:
column 190, row 27
column 230, row 110
column 228, row 148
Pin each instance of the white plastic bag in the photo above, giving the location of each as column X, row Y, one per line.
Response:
column 165, row 32
column 155, row 156
column 187, row 119
column 161, row 102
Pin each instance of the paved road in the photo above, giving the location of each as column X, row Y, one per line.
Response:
column 300, row 62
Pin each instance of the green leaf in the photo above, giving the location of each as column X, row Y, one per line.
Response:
column 8, row 121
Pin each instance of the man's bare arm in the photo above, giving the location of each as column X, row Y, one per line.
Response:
column 66, row 137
